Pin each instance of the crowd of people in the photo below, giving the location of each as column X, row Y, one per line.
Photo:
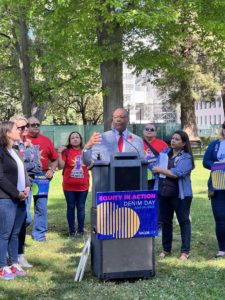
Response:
column 28, row 161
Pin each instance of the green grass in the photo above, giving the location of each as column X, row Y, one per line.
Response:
column 201, row 277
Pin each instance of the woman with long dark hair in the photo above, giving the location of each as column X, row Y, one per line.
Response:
column 14, row 190
column 75, row 181
column 175, row 192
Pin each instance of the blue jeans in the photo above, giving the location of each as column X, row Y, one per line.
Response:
column 218, row 208
column 26, row 223
column 40, row 226
column 28, row 205
column 75, row 199
column 167, row 207
column 12, row 216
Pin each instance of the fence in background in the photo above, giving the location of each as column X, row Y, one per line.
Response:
column 59, row 133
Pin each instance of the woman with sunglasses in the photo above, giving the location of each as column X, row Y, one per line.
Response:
column 215, row 153
column 175, row 192
column 14, row 190
column 75, row 181
column 30, row 156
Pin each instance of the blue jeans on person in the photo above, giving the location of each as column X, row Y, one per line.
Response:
column 75, row 199
column 218, row 208
column 40, row 226
column 26, row 223
column 28, row 205
column 167, row 207
column 12, row 216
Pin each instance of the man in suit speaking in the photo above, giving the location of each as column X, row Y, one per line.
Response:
column 119, row 139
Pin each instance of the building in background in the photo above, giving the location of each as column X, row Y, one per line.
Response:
column 209, row 113
column 142, row 99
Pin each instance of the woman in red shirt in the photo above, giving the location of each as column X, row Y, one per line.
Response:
column 75, row 181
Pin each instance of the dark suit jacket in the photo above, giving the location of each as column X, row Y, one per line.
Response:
column 9, row 176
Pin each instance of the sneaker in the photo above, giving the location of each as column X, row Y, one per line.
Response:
column 79, row 234
column 17, row 270
column 6, row 273
column 23, row 261
column 71, row 236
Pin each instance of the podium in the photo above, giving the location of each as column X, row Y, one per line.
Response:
column 123, row 257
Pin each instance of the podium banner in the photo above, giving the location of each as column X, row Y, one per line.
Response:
column 126, row 214
column 40, row 185
column 218, row 176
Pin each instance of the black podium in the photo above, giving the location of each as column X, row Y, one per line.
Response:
column 128, row 257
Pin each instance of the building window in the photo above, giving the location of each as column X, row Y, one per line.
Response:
column 219, row 102
column 219, row 117
column 201, row 120
column 196, row 120
column 205, row 104
column 210, row 119
column 206, row 120
column 210, row 103
column 214, row 122
column 196, row 105
column 201, row 105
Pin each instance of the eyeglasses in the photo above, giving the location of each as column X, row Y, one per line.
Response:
column 150, row 129
column 35, row 125
column 22, row 128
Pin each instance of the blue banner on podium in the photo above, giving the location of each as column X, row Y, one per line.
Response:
column 127, row 214
column 40, row 185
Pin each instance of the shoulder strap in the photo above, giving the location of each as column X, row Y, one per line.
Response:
column 156, row 153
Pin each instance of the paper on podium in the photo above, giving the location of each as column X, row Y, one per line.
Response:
column 163, row 163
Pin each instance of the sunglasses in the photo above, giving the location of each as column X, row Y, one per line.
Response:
column 35, row 125
column 22, row 128
column 150, row 129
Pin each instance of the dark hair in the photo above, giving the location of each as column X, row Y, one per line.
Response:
column 5, row 127
column 68, row 145
column 187, row 146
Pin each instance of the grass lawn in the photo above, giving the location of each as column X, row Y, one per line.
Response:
column 201, row 277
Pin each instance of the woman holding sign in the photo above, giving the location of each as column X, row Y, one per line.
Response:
column 75, row 181
column 214, row 158
column 175, row 192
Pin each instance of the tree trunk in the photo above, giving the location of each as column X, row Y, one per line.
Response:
column 188, row 120
column 112, row 82
column 39, row 111
column 24, row 66
column 110, row 37
column 223, row 97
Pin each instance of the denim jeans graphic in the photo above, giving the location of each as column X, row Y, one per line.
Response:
column 75, row 200
column 12, row 216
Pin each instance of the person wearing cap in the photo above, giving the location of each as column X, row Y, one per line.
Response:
column 215, row 153
column 49, row 163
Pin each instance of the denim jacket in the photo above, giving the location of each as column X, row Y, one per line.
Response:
column 182, row 169
column 210, row 157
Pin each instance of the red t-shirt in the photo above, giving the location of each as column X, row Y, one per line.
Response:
column 75, row 173
column 46, row 149
column 157, row 144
